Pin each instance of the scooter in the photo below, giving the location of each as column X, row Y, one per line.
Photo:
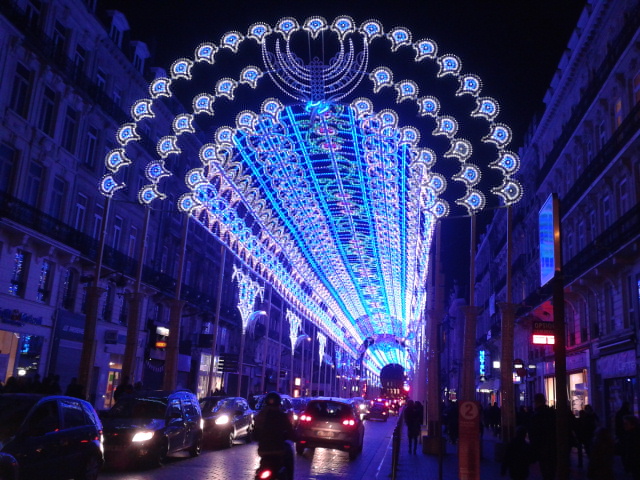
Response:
column 272, row 467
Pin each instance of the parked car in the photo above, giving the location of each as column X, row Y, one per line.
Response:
column 378, row 411
column 286, row 406
column 49, row 436
column 150, row 426
column 8, row 467
column 299, row 404
column 225, row 420
column 330, row 423
column 361, row 405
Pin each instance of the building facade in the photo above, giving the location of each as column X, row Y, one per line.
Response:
column 70, row 73
column 584, row 149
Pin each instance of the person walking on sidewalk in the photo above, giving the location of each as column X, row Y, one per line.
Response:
column 542, row 434
column 601, row 454
column 413, row 420
column 518, row 456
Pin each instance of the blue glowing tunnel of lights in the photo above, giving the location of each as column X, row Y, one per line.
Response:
column 323, row 196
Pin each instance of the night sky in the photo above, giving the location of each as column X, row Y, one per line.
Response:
column 513, row 45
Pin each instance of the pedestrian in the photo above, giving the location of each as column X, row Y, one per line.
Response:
column 542, row 434
column 586, row 426
column 495, row 418
column 74, row 389
column 625, row 409
column 413, row 420
column 518, row 456
column 601, row 455
column 124, row 388
column 630, row 446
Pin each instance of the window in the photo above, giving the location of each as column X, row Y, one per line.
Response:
column 617, row 112
column 606, row 212
column 98, row 217
column 72, row 414
column 133, row 238
column 582, row 230
column 7, row 156
column 57, row 197
column 21, row 90
column 636, row 88
column 19, row 273
column 44, row 282
column 34, row 179
column 69, row 286
column 107, row 309
column 80, row 212
column 116, row 35
column 609, row 321
column 117, row 231
column 101, row 79
column 623, row 196
column 59, row 39
column 117, row 96
column 70, row 129
column 90, row 148
column 47, row 111
column 593, row 225
column 79, row 60
column 33, row 12
column 164, row 259
column 602, row 134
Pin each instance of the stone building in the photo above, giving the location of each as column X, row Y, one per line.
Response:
column 584, row 148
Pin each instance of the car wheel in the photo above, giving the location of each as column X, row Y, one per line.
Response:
column 195, row 449
column 353, row 453
column 90, row 469
column 162, row 453
column 249, row 437
column 299, row 449
column 231, row 437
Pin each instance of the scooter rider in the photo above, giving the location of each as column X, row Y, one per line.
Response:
column 273, row 429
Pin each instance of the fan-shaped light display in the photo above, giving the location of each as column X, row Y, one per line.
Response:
column 327, row 193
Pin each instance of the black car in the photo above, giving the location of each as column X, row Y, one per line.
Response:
column 286, row 406
column 147, row 427
column 49, row 437
column 225, row 420
column 8, row 467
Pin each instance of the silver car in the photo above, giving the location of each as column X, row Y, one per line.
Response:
column 330, row 423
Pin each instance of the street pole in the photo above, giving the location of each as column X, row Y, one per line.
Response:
column 470, row 317
column 175, row 317
column 94, row 292
column 562, row 400
column 508, row 310
column 135, row 302
column 216, row 321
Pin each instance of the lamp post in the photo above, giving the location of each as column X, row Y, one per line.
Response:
column 175, row 316
column 135, row 301
column 216, row 321
column 94, row 292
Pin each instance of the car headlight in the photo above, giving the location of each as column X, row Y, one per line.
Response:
column 142, row 436
column 295, row 417
column 222, row 420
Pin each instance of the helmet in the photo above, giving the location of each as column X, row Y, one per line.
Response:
column 272, row 399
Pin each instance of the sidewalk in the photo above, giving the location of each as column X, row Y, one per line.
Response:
column 426, row 467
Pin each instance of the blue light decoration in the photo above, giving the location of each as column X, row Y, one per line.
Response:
column 323, row 190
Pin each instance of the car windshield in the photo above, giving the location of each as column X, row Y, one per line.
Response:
column 329, row 410
column 298, row 403
column 212, row 404
column 13, row 410
column 138, row 408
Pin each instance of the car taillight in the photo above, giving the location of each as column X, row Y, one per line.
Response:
column 305, row 418
column 265, row 474
column 349, row 422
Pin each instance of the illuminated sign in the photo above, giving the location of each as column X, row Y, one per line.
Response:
column 547, row 248
column 482, row 356
column 543, row 333
column 543, row 339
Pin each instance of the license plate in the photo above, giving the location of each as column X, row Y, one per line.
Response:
column 322, row 433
